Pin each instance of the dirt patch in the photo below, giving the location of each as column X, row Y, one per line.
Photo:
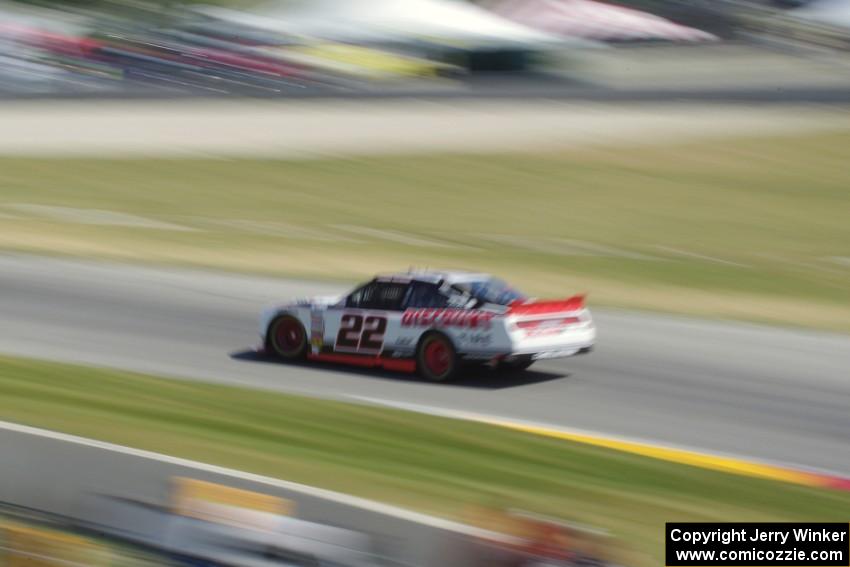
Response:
column 320, row 129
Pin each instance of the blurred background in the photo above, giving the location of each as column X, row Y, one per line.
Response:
column 167, row 168
column 329, row 47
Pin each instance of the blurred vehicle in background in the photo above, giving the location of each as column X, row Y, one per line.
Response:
column 363, row 62
column 791, row 3
column 596, row 21
column 32, row 57
column 443, row 30
column 829, row 12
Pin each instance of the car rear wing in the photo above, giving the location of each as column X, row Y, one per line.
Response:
column 544, row 306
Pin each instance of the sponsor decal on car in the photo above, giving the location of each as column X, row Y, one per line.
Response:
column 464, row 318
column 474, row 338
column 317, row 330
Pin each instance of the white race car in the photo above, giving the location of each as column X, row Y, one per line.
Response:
column 429, row 322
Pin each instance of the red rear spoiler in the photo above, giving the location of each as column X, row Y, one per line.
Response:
column 529, row 307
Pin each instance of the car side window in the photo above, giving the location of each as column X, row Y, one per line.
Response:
column 378, row 295
column 362, row 296
column 425, row 295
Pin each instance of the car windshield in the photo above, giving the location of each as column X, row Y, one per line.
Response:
column 492, row 290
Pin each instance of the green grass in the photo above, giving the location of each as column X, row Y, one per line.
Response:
column 771, row 213
column 432, row 464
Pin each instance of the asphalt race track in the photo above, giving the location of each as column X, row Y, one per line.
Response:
column 772, row 394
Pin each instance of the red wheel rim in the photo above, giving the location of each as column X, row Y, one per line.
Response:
column 437, row 357
column 288, row 335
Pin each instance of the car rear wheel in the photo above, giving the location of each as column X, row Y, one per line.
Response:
column 287, row 338
column 436, row 359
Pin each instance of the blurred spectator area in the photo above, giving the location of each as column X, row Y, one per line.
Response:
column 304, row 47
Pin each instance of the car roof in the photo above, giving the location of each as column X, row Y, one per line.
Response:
column 433, row 276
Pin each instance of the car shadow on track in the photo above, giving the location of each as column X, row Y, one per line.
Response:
column 475, row 377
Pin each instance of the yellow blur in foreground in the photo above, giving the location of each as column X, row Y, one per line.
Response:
column 26, row 546
column 226, row 505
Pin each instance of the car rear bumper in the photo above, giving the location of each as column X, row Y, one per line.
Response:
column 561, row 353
column 570, row 343
column 541, row 354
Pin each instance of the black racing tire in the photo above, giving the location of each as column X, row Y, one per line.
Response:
column 286, row 338
column 436, row 358
column 515, row 365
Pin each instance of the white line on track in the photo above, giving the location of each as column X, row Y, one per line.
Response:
column 96, row 217
column 602, row 249
column 394, row 236
column 688, row 254
column 537, row 245
column 275, row 228
column 563, row 246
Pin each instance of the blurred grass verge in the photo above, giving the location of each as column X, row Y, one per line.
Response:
column 432, row 464
column 754, row 229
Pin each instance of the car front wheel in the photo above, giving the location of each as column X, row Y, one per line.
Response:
column 286, row 338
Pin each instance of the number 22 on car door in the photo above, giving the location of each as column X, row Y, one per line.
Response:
column 361, row 333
